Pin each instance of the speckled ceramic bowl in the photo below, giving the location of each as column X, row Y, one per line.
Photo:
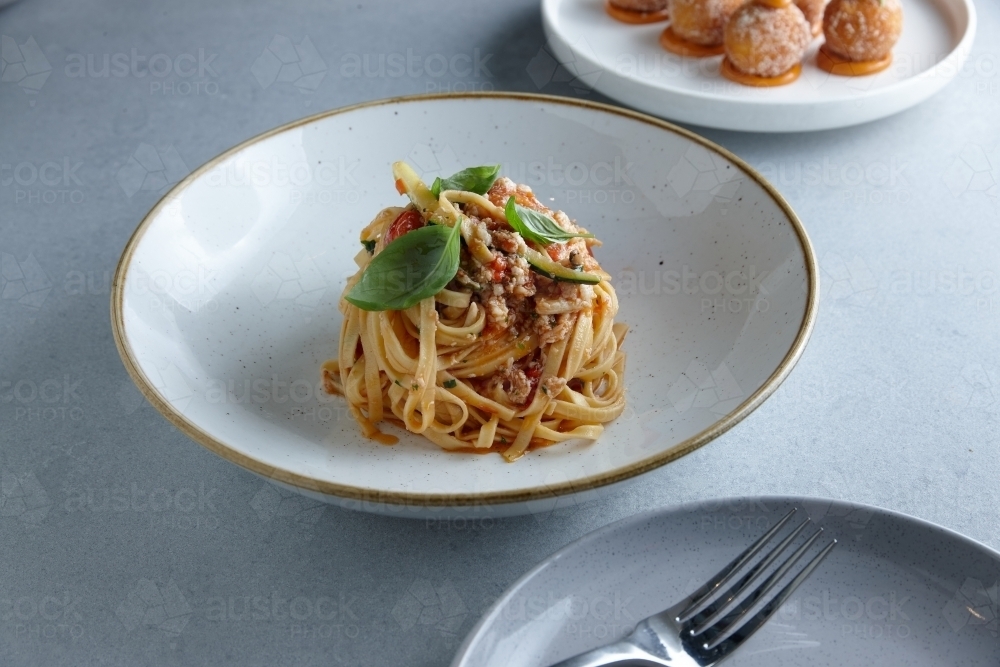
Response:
column 895, row 591
column 225, row 300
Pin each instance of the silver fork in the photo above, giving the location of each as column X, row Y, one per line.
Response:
column 705, row 628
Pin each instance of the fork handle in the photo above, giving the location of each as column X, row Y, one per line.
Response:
column 612, row 654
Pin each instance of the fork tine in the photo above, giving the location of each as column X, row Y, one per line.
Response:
column 733, row 620
column 736, row 639
column 717, row 609
column 701, row 596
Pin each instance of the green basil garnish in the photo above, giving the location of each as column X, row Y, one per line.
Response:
column 411, row 268
column 369, row 246
column 473, row 179
column 535, row 226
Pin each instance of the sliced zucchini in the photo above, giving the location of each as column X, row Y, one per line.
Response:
column 422, row 197
column 541, row 263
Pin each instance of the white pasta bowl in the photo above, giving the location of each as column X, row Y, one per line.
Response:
column 225, row 299
column 627, row 63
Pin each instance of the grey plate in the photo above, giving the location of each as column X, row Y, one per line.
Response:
column 896, row 591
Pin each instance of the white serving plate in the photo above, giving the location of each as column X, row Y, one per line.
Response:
column 895, row 591
column 626, row 62
column 225, row 298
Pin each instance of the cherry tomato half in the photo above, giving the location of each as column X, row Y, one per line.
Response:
column 407, row 221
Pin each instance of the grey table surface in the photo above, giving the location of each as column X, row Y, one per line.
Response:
column 123, row 542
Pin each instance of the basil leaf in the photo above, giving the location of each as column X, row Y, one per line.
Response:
column 369, row 246
column 535, row 226
column 473, row 179
column 411, row 268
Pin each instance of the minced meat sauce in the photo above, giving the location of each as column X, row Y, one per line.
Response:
column 516, row 299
